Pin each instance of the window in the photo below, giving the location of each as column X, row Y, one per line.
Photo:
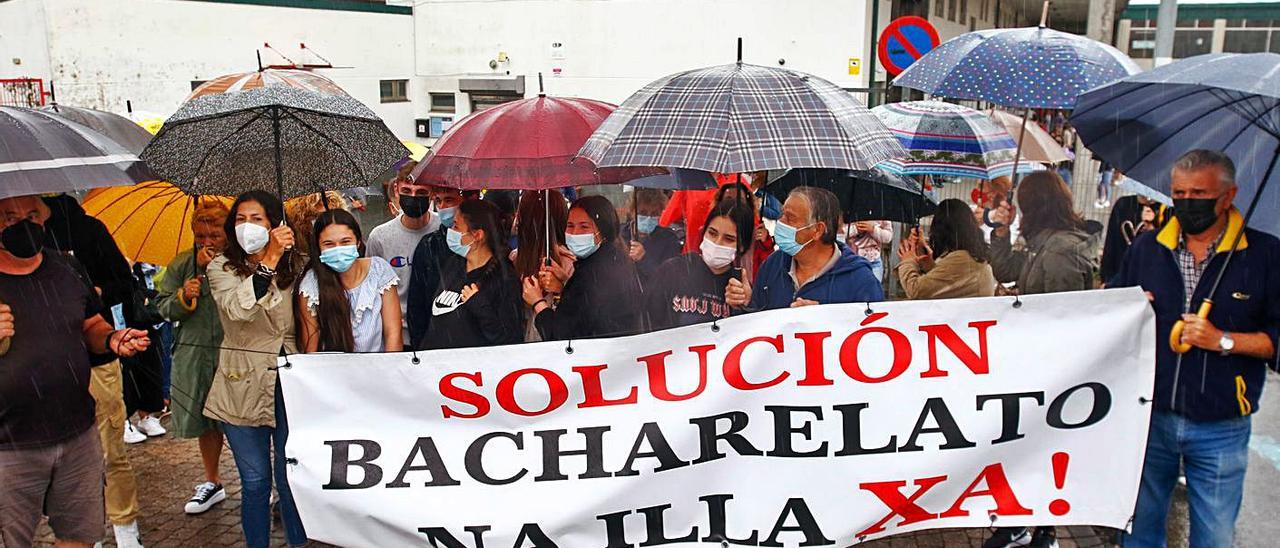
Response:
column 393, row 91
column 964, row 10
column 951, row 10
column 940, row 8
column 443, row 102
column 1245, row 41
column 1275, row 42
column 1142, row 44
column 1189, row 43
column 483, row 101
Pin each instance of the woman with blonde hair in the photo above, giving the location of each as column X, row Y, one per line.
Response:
column 184, row 299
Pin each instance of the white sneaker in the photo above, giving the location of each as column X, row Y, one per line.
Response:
column 132, row 435
column 127, row 536
column 207, row 495
column 150, row 425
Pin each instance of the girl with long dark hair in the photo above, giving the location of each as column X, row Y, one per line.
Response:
column 705, row 285
column 540, row 224
column 1057, row 256
column 953, row 263
column 348, row 299
column 252, row 284
column 601, row 291
column 480, row 306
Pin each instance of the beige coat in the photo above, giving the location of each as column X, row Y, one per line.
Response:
column 254, row 330
column 953, row 275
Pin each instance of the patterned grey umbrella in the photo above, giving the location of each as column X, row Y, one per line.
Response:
column 296, row 140
column 738, row 118
column 41, row 152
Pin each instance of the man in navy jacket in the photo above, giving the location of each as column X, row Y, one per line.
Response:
column 813, row 268
column 1205, row 397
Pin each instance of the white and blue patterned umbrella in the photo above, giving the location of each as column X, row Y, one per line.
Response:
column 1033, row 67
column 948, row 140
column 740, row 118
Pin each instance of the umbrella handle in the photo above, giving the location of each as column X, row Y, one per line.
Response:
column 1175, row 336
column 188, row 306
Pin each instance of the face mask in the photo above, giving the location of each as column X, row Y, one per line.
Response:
column 23, row 239
column 646, row 224
column 454, row 239
column 340, row 258
column 785, row 236
column 446, row 216
column 1195, row 215
column 716, row 256
column 251, row 237
column 582, row 245
column 414, row 206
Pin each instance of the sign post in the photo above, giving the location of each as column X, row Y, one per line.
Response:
column 905, row 40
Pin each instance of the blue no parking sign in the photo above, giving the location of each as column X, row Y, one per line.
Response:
column 905, row 40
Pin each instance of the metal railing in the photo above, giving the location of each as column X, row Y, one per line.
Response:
column 22, row 92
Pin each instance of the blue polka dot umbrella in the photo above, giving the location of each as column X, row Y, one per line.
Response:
column 948, row 140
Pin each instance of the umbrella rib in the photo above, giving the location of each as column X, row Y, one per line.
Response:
column 155, row 221
column 121, row 198
column 205, row 159
column 1254, row 123
column 1099, row 104
column 326, row 137
column 1133, row 119
column 1180, row 129
column 135, row 211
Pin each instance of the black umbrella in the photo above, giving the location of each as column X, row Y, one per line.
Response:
column 120, row 129
column 864, row 195
column 42, row 153
column 300, row 140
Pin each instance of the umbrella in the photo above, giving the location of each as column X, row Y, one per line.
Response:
column 741, row 118
column 946, row 139
column 1036, row 143
column 294, row 131
column 41, row 153
column 864, row 195
column 1224, row 102
column 1031, row 67
column 149, row 221
column 522, row 145
column 116, row 127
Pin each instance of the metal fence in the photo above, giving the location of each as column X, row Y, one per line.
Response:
column 22, row 92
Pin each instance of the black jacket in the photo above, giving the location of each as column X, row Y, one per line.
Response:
column 491, row 317
column 685, row 292
column 602, row 299
column 70, row 230
column 431, row 260
column 660, row 246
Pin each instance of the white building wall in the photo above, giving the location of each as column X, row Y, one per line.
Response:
column 611, row 48
column 105, row 52
column 24, row 47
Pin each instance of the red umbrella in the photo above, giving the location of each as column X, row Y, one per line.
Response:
column 523, row 145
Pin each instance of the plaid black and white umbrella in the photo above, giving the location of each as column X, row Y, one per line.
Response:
column 739, row 118
column 41, row 152
column 294, row 140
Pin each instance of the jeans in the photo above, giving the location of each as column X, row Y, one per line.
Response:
column 877, row 268
column 252, row 447
column 1214, row 456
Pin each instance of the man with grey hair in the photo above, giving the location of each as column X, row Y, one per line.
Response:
column 1204, row 397
column 813, row 268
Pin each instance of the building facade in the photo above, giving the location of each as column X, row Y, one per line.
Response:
column 1202, row 28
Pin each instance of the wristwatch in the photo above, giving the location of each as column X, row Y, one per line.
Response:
column 1227, row 343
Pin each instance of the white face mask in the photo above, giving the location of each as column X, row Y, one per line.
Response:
column 716, row 256
column 251, row 237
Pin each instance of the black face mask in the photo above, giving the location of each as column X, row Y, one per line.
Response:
column 1195, row 215
column 23, row 239
column 414, row 206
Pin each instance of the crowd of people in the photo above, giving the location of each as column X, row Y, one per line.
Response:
column 461, row 269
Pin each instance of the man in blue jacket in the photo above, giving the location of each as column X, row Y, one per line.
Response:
column 1205, row 397
column 813, row 267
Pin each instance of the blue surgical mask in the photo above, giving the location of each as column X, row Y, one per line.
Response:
column 340, row 258
column 785, row 236
column 454, row 239
column 646, row 224
column 582, row 245
column 446, row 216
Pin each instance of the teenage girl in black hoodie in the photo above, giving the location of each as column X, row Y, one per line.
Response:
column 601, row 295
column 478, row 306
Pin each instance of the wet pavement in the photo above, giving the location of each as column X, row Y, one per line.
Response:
column 169, row 468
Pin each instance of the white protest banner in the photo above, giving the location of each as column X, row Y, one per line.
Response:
column 815, row 426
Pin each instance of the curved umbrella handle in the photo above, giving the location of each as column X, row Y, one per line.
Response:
column 1175, row 336
column 188, row 306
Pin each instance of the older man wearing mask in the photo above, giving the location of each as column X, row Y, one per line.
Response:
column 51, row 462
column 1203, row 398
column 813, row 268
